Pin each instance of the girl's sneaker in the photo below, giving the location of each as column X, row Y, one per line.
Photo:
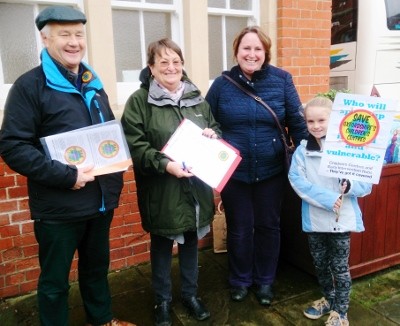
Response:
column 337, row 320
column 318, row 309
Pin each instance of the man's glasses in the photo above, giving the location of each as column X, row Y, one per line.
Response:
column 166, row 63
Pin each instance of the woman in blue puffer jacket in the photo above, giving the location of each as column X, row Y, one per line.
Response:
column 253, row 196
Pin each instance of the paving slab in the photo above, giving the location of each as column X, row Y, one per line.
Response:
column 375, row 298
column 389, row 308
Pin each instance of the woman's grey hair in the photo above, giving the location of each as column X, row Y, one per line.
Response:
column 156, row 48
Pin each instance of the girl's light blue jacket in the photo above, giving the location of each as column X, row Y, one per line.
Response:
column 319, row 194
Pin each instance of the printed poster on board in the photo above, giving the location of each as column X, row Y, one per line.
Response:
column 357, row 137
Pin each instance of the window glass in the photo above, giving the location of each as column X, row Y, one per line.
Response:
column 225, row 21
column 19, row 51
column 339, row 82
column 164, row 2
column 130, row 56
column 216, row 57
column 241, row 4
column 127, row 44
column 233, row 27
column 157, row 25
column 215, row 46
column 344, row 21
column 216, row 3
column 393, row 14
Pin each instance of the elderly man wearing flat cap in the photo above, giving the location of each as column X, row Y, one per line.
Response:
column 71, row 209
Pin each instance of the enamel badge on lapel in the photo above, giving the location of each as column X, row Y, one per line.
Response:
column 86, row 76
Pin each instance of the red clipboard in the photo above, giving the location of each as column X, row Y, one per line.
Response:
column 211, row 160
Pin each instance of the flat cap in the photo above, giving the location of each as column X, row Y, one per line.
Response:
column 59, row 14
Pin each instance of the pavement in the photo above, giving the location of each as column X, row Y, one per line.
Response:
column 375, row 298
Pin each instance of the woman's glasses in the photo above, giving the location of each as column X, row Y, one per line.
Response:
column 166, row 63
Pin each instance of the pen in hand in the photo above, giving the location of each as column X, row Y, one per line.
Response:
column 184, row 168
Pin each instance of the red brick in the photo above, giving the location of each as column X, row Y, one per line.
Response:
column 7, row 268
column 117, row 243
column 119, row 231
column 73, row 275
column 128, row 176
column 20, row 216
column 8, row 206
column 4, row 220
column 118, row 264
column 17, row 192
column 9, row 291
column 7, row 181
column 120, row 253
column 117, row 221
column 23, row 204
column 3, row 194
column 2, row 167
column 31, row 251
column 308, row 4
column 27, row 263
column 135, row 238
column 140, row 248
column 129, row 219
column 27, row 227
column 137, row 229
column 28, row 286
column 138, row 259
column 9, row 231
column 32, row 274
column 4, row 245
column 132, row 188
column 15, row 279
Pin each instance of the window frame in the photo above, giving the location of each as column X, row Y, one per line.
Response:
column 252, row 15
column 124, row 89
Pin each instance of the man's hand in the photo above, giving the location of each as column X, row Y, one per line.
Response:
column 83, row 177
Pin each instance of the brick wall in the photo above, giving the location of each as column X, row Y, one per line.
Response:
column 303, row 33
column 303, row 50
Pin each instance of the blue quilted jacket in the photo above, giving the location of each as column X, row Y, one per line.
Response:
column 249, row 127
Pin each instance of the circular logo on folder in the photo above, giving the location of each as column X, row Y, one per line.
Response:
column 75, row 155
column 108, row 148
column 223, row 155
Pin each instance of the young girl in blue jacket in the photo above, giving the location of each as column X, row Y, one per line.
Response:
column 330, row 211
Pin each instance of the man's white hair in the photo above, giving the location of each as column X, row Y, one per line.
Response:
column 45, row 30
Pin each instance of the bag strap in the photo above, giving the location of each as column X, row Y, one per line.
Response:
column 259, row 100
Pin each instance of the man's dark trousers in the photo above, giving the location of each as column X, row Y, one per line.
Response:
column 57, row 245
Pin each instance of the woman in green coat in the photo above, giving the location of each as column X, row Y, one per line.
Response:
column 173, row 203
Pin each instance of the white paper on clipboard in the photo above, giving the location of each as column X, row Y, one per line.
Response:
column 211, row 160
